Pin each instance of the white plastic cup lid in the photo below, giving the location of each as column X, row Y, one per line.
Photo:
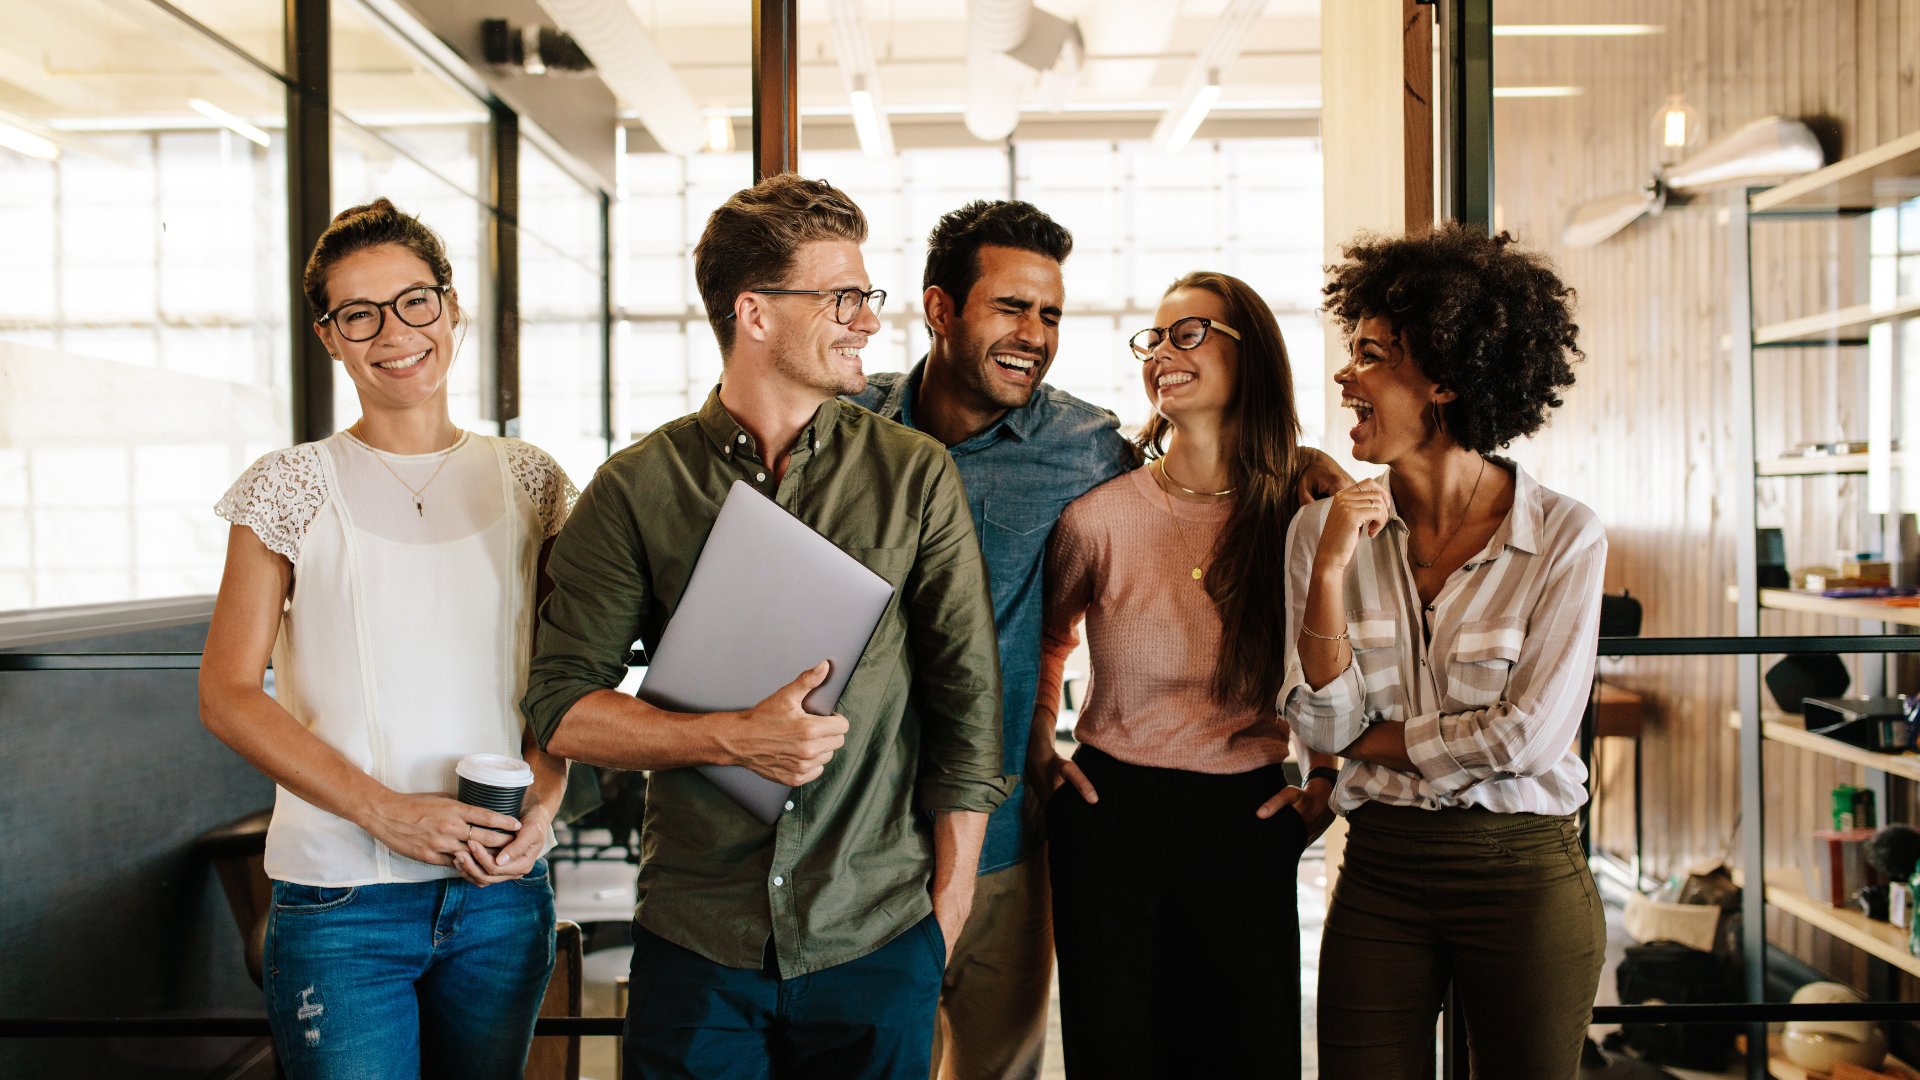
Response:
column 497, row 770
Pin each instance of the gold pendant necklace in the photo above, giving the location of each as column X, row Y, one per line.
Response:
column 419, row 504
column 1428, row 564
column 1186, row 544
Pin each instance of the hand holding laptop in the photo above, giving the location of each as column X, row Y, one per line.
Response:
column 782, row 741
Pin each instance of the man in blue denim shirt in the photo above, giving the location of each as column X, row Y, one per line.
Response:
column 993, row 297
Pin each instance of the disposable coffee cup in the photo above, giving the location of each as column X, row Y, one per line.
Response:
column 494, row 782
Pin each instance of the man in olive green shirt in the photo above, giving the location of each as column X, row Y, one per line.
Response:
column 815, row 944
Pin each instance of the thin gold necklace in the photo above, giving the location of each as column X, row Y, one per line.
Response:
column 1164, row 475
column 1428, row 564
column 419, row 505
column 1186, row 543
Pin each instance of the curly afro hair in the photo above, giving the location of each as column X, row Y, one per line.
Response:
column 1482, row 318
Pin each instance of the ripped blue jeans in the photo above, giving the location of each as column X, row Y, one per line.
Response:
column 433, row 978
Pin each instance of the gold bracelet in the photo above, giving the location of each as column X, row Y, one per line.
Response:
column 1308, row 630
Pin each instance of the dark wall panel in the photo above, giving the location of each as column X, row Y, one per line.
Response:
column 110, row 777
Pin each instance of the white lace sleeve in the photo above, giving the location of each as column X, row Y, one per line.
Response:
column 544, row 481
column 278, row 497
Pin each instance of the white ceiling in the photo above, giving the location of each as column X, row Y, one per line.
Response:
column 100, row 59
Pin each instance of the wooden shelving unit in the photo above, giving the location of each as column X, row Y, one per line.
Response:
column 1882, row 939
column 1823, row 465
column 1883, row 176
column 1815, row 604
column 1785, row 728
column 1850, row 323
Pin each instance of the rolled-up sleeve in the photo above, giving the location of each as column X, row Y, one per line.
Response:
column 1330, row 718
column 592, row 616
column 1528, row 731
column 956, row 657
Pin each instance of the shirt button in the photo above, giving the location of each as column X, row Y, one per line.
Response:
column 779, row 881
column 741, row 439
column 759, row 476
column 726, row 449
column 789, row 804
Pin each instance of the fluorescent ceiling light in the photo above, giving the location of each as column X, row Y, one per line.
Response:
column 26, row 142
column 1576, row 30
column 1538, row 91
column 229, row 121
column 875, row 138
column 1197, row 109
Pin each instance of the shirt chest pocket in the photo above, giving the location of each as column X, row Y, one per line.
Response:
column 1375, row 638
column 1483, row 656
column 1013, row 535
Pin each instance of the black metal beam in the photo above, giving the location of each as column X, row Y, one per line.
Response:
column 1758, row 646
column 776, row 88
column 503, row 258
column 309, row 205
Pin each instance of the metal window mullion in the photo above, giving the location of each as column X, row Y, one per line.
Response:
column 309, row 203
column 503, row 241
column 1753, row 839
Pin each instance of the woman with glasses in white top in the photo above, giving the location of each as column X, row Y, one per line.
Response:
column 389, row 572
column 1445, row 618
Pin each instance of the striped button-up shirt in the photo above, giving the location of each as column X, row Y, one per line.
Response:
column 1493, row 697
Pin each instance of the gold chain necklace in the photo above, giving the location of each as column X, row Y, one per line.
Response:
column 419, row 505
column 1168, row 477
column 1428, row 564
column 1186, row 543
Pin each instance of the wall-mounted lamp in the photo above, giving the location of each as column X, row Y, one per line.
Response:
column 719, row 132
column 1676, row 129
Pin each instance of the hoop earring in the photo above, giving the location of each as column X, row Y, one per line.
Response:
column 1439, row 418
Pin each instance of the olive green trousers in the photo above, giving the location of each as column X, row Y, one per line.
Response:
column 1500, row 906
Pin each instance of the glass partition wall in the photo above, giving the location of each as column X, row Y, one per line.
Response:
column 143, row 314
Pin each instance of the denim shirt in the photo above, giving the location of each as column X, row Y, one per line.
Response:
column 1020, row 473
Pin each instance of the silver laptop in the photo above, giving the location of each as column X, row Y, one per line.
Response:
column 769, row 599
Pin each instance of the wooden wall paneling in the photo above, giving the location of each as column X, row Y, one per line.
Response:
column 1645, row 436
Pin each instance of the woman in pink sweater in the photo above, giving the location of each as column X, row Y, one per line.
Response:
column 1173, row 836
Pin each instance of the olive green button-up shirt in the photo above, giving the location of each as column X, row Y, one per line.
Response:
column 848, row 866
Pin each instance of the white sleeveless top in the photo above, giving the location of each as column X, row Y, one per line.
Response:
column 405, row 640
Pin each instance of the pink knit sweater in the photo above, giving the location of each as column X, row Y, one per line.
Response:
column 1121, row 559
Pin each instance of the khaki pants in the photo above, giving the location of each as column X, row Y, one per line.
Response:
column 993, row 1004
column 1500, row 905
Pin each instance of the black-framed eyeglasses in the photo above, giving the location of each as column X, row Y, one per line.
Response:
column 1185, row 334
column 362, row 320
column 846, row 302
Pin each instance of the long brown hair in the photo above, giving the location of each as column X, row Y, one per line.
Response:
column 1248, row 575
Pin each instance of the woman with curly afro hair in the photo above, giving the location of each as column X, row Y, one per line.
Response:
column 1444, row 618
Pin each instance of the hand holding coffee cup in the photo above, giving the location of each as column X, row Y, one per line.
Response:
column 494, row 782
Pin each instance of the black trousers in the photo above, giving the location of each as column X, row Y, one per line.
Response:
column 1174, row 923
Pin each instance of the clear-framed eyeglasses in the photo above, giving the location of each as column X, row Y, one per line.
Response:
column 362, row 320
column 1185, row 334
column 846, row 302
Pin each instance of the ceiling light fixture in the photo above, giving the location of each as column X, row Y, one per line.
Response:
column 1577, row 30
column 1201, row 88
column 875, row 138
column 1538, row 91
column 1177, row 136
column 26, row 142
column 231, row 122
column 854, row 55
